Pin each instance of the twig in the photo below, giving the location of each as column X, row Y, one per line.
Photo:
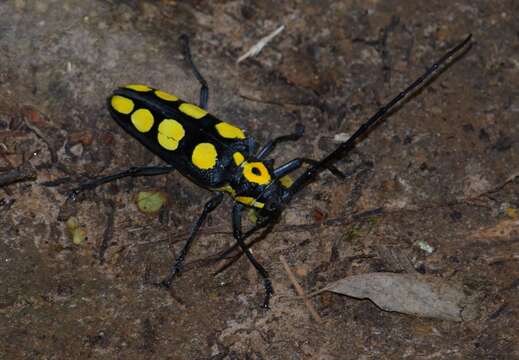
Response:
column 256, row 49
column 299, row 289
column 22, row 173
column 497, row 259
column 108, row 233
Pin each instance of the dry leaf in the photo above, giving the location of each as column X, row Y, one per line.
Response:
column 418, row 295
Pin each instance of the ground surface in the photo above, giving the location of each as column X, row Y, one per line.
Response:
column 442, row 173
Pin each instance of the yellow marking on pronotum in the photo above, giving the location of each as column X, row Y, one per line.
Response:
column 136, row 87
column 170, row 133
column 121, row 104
column 165, row 96
column 192, row 110
column 204, row 156
column 229, row 131
column 256, row 172
column 142, row 119
column 238, row 158
column 250, row 201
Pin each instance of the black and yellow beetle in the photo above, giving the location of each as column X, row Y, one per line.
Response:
column 221, row 157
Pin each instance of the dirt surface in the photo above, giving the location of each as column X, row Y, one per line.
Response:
column 439, row 192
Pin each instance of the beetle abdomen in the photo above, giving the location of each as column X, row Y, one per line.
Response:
column 198, row 144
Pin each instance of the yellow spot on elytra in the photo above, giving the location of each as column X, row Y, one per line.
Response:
column 192, row 110
column 165, row 96
column 204, row 156
column 142, row 119
column 256, row 172
column 137, row 87
column 249, row 201
column 122, row 104
column 229, row 131
column 286, row 181
column 170, row 134
column 238, row 158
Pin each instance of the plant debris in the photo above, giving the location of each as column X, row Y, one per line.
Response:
column 150, row 202
column 256, row 49
column 418, row 295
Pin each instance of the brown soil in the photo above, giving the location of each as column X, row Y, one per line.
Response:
column 443, row 173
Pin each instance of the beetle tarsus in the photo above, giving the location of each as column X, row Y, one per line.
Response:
column 204, row 88
column 269, row 291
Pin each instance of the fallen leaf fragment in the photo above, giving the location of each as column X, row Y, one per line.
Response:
column 418, row 295
column 76, row 232
column 150, row 202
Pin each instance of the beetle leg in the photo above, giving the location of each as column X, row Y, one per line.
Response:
column 267, row 222
column 133, row 172
column 269, row 147
column 177, row 266
column 238, row 235
column 204, row 88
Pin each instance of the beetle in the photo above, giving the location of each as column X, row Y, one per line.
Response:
column 223, row 158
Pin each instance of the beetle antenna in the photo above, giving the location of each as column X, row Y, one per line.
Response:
column 315, row 169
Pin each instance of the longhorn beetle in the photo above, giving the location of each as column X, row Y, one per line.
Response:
column 221, row 157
